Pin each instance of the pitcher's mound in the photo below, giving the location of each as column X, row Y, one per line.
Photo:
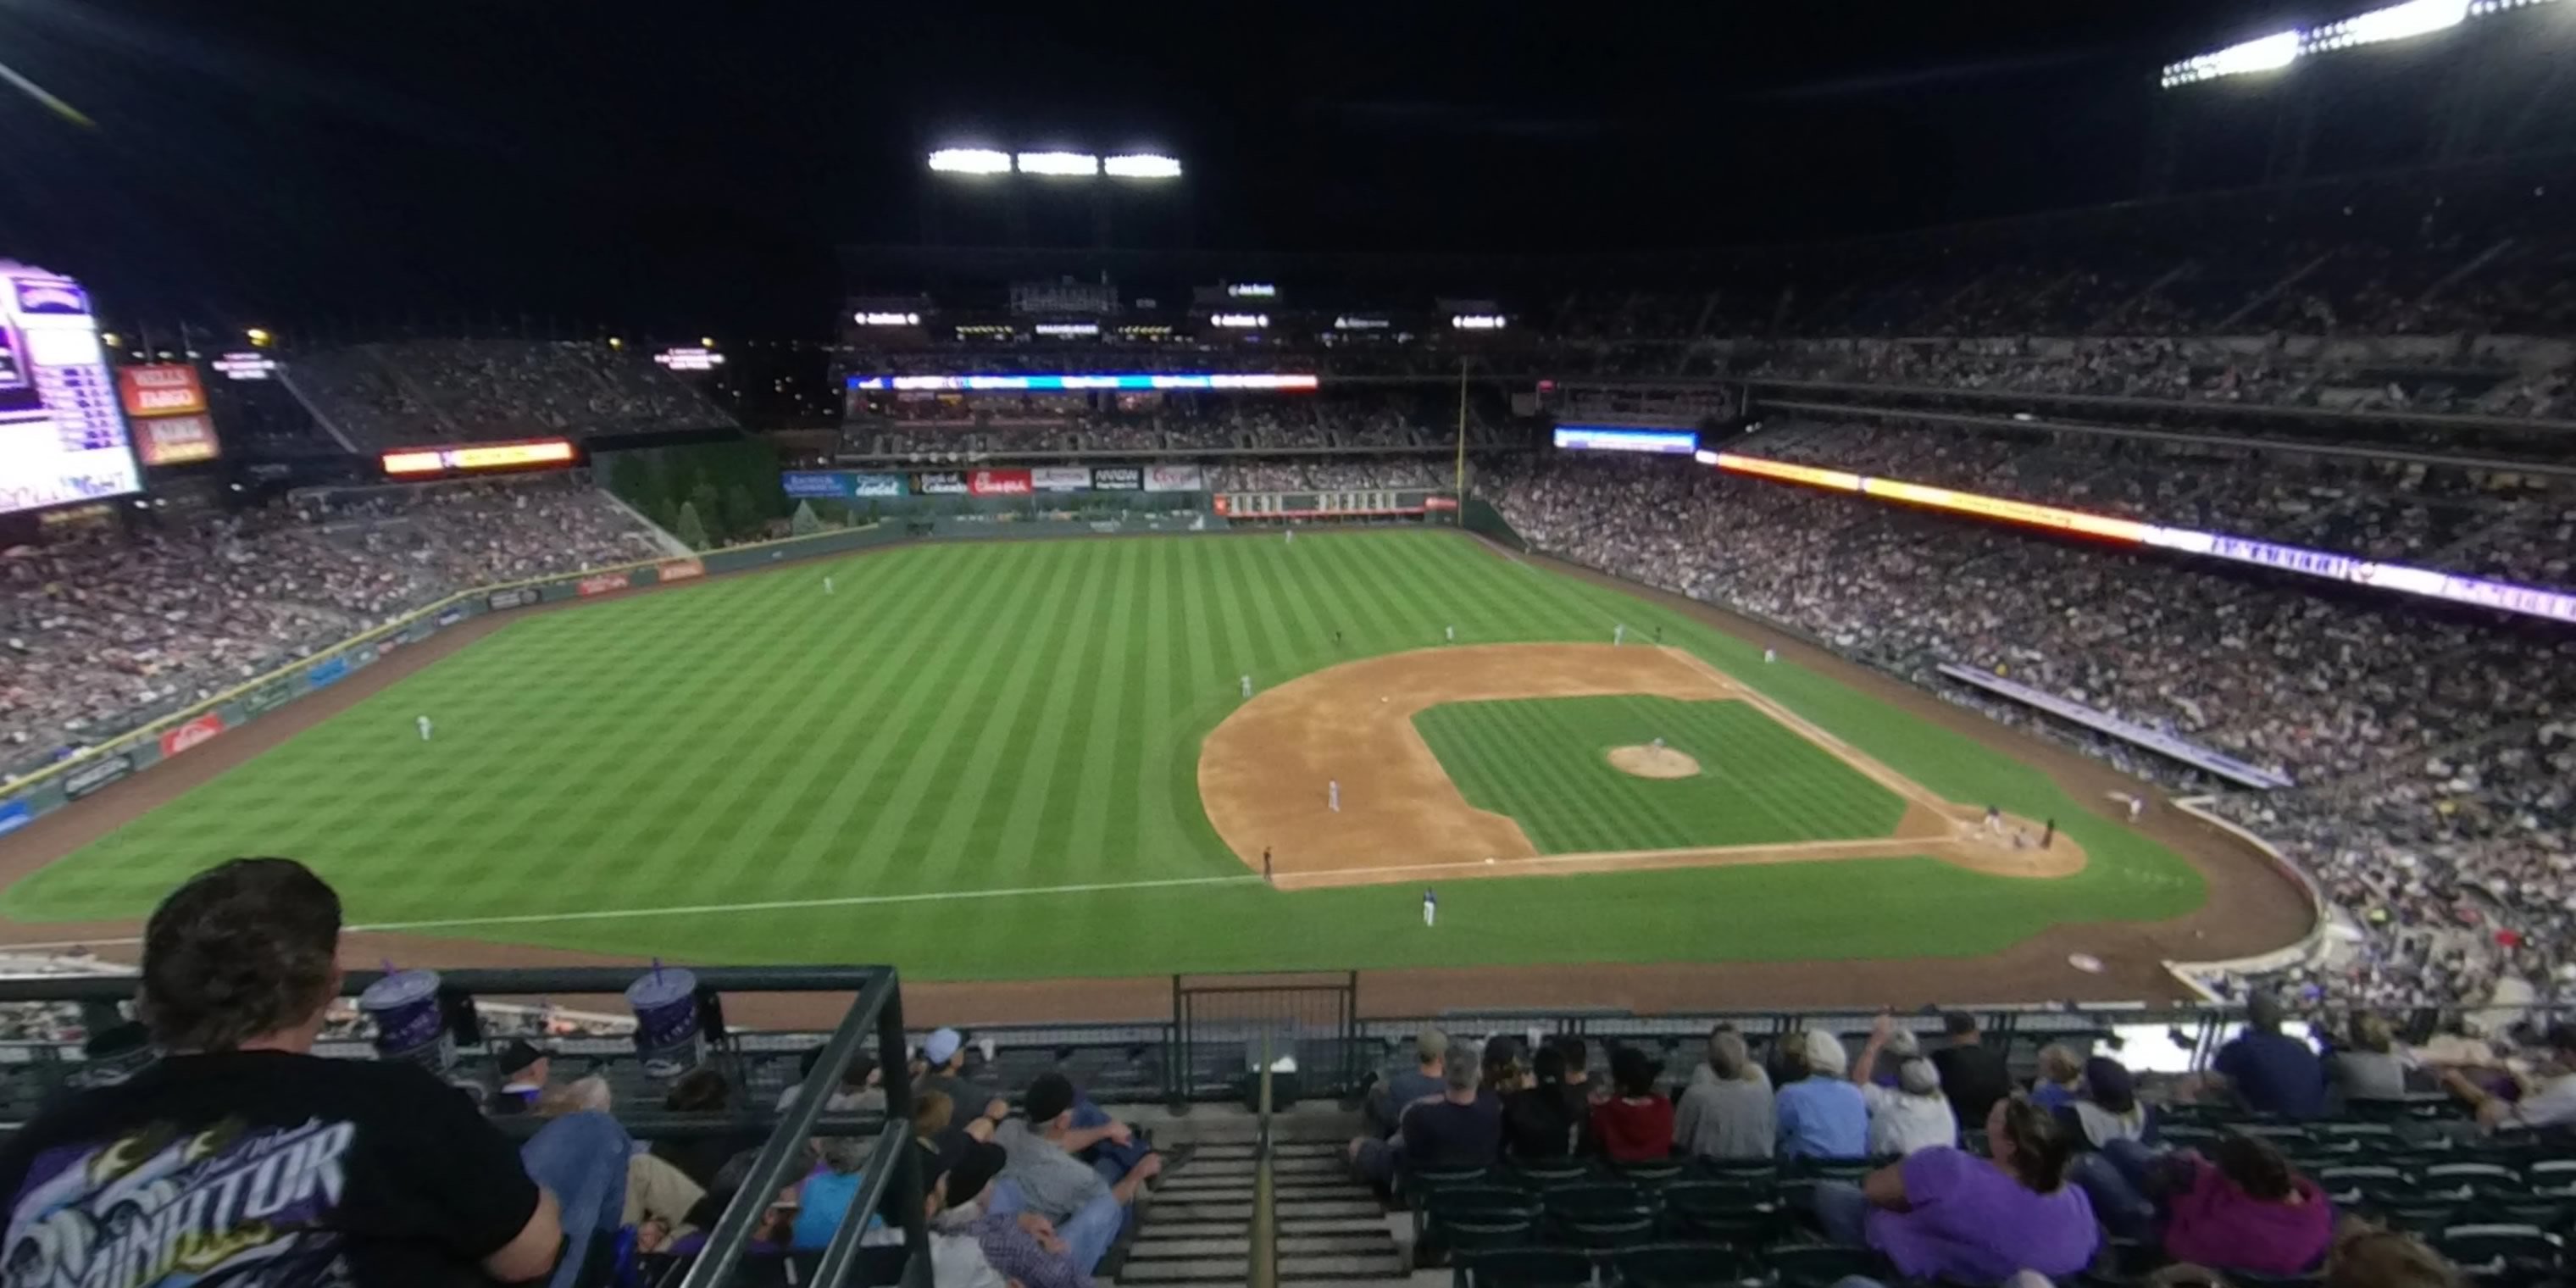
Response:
column 1653, row 762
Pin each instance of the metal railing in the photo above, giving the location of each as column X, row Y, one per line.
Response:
column 1264, row 1243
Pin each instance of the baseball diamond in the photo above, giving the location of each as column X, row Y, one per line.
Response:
column 1027, row 760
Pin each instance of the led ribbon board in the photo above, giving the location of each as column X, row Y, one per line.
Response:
column 1105, row 380
column 2477, row 592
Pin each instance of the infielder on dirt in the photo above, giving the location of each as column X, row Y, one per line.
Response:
column 1333, row 794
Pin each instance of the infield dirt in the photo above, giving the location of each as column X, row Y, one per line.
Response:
column 1265, row 775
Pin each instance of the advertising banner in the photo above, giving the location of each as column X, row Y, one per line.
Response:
column 269, row 698
column 998, row 483
column 1060, row 478
column 940, row 483
column 14, row 815
column 326, row 673
column 175, row 440
column 876, row 485
column 680, row 570
column 97, row 774
column 504, row 599
column 194, row 733
column 1173, row 478
column 1117, row 478
column 450, row 617
column 828, row 484
column 601, row 583
column 160, row 389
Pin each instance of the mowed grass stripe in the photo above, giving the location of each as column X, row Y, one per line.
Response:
column 1087, row 842
column 1544, row 763
column 963, row 797
column 1014, row 853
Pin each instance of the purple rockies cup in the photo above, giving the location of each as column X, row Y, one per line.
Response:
column 409, row 1024
column 665, row 1002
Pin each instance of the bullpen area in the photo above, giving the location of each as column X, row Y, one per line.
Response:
column 1034, row 761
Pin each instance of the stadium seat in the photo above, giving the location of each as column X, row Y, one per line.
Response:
column 2503, row 1254
column 1656, row 1172
column 1683, row 1265
column 1762, row 1170
column 2367, row 1185
column 1738, row 1214
column 1819, row 1266
column 2473, row 1181
column 1507, row 1266
column 1548, row 1173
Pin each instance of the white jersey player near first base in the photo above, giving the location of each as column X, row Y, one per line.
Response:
column 423, row 722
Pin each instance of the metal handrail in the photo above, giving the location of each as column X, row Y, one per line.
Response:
column 878, row 1005
column 1264, row 1249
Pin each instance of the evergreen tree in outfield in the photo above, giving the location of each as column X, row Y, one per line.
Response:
column 691, row 530
column 803, row 523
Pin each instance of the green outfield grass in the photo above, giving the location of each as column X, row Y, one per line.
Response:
column 978, row 761
column 1544, row 762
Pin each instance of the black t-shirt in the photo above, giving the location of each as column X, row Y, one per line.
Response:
column 273, row 1167
column 1974, row 1078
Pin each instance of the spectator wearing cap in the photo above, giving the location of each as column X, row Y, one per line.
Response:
column 1973, row 1074
column 944, row 1054
column 524, row 1070
column 2548, row 1091
column 1043, row 1176
column 1726, row 1112
column 2268, row 1071
column 1820, row 1115
column 1911, row 1115
column 1421, row 1083
column 1023, row 1246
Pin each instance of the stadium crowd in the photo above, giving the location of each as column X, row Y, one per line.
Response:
column 2431, row 749
column 107, row 628
column 450, row 391
column 990, row 427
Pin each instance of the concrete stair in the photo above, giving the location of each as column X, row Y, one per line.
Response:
column 1198, row 1227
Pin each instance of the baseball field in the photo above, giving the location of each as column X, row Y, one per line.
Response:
column 1035, row 760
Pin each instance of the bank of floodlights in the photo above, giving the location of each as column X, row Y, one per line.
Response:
column 2378, row 26
column 1059, row 165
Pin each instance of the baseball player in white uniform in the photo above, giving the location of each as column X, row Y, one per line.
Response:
column 1618, row 635
column 1333, row 794
column 1430, row 906
column 1247, row 686
column 1770, row 655
column 827, row 585
column 1449, row 633
column 423, row 722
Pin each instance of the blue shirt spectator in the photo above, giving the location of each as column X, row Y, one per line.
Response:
column 1822, row 1115
column 2270, row 1071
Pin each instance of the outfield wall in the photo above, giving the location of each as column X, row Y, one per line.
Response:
column 194, row 726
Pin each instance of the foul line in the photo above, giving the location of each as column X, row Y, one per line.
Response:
column 705, row 909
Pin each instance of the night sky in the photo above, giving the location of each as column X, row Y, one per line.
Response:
column 690, row 166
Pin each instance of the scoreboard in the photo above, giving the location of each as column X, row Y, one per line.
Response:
column 61, row 438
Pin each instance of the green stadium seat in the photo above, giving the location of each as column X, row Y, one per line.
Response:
column 2504, row 1255
column 2367, row 1185
column 1657, row 1172
column 1737, row 1214
column 1542, row 1174
column 2479, row 1180
column 1736, row 1169
column 1603, row 1232
column 1685, row 1265
column 1507, row 1266
column 1820, row 1266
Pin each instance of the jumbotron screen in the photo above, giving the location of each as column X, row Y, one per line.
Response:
column 62, row 439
